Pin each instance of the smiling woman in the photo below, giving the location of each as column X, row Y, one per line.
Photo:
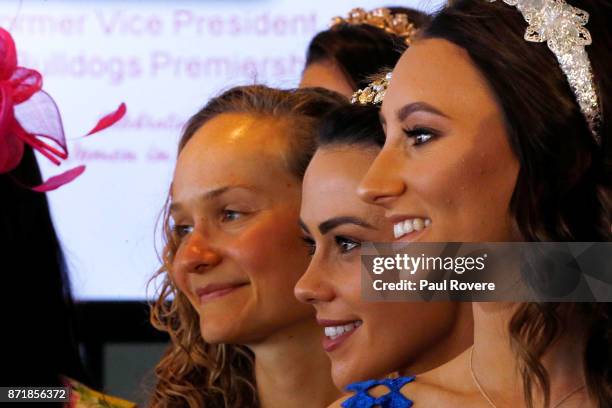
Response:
column 234, row 253
column 495, row 138
column 363, row 339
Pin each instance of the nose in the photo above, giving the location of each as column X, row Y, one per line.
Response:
column 197, row 255
column 383, row 183
column 312, row 288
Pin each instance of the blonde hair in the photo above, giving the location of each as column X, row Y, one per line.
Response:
column 193, row 373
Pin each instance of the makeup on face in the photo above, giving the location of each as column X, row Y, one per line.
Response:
column 446, row 169
column 363, row 339
column 340, row 239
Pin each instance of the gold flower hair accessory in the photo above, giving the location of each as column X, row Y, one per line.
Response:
column 394, row 23
column 561, row 26
column 374, row 93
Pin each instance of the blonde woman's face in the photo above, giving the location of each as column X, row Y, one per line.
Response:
column 446, row 161
column 383, row 336
column 235, row 208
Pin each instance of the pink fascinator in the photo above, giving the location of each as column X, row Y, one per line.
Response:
column 28, row 115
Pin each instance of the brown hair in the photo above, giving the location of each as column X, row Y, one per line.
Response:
column 193, row 373
column 361, row 50
column 563, row 188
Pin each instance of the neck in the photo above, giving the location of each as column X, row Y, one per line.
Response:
column 452, row 344
column 292, row 370
column 495, row 363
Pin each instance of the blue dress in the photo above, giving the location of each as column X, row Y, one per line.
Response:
column 393, row 399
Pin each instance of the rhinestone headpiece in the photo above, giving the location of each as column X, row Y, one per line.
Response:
column 562, row 27
column 374, row 93
column 394, row 23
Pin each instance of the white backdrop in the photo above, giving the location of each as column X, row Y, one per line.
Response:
column 164, row 59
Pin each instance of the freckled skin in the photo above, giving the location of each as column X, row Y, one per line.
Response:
column 261, row 249
column 394, row 336
column 326, row 75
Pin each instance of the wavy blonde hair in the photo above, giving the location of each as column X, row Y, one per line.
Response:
column 193, row 373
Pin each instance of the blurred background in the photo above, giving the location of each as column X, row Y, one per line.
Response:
column 164, row 59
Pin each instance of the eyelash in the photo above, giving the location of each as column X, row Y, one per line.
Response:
column 341, row 241
column 310, row 244
column 420, row 135
column 182, row 230
column 226, row 215
column 344, row 242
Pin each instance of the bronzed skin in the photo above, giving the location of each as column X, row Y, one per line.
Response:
column 462, row 178
column 400, row 337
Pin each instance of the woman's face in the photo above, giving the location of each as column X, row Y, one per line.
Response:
column 446, row 172
column 235, row 208
column 326, row 75
column 363, row 339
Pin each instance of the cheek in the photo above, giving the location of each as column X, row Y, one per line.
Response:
column 474, row 186
column 271, row 251
column 409, row 328
column 346, row 279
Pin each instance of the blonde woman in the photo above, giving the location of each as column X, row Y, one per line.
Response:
column 234, row 253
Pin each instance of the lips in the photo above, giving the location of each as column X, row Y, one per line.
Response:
column 337, row 332
column 217, row 290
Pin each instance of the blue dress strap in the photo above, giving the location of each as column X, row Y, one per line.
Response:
column 393, row 399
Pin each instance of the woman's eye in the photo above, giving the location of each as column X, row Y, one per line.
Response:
column 346, row 244
column 231, row 215
column 310, row 244
column 420, row 135
column 182, row 230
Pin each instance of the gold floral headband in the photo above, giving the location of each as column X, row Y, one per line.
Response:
column 374, row 93
column 394, row 23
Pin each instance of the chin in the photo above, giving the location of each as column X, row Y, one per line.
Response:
column 341, row 382
column 222, row 332
column 235, row 332
column 212, row 337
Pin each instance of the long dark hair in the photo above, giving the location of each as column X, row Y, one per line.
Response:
column 39, row 336
column 563, row 188
column 360, row 50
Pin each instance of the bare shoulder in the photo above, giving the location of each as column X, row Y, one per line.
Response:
column 445, row 386
column 421, row 389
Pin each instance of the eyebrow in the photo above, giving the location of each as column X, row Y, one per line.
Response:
column 332, row 223
column 411, row 108
column 209, row 195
